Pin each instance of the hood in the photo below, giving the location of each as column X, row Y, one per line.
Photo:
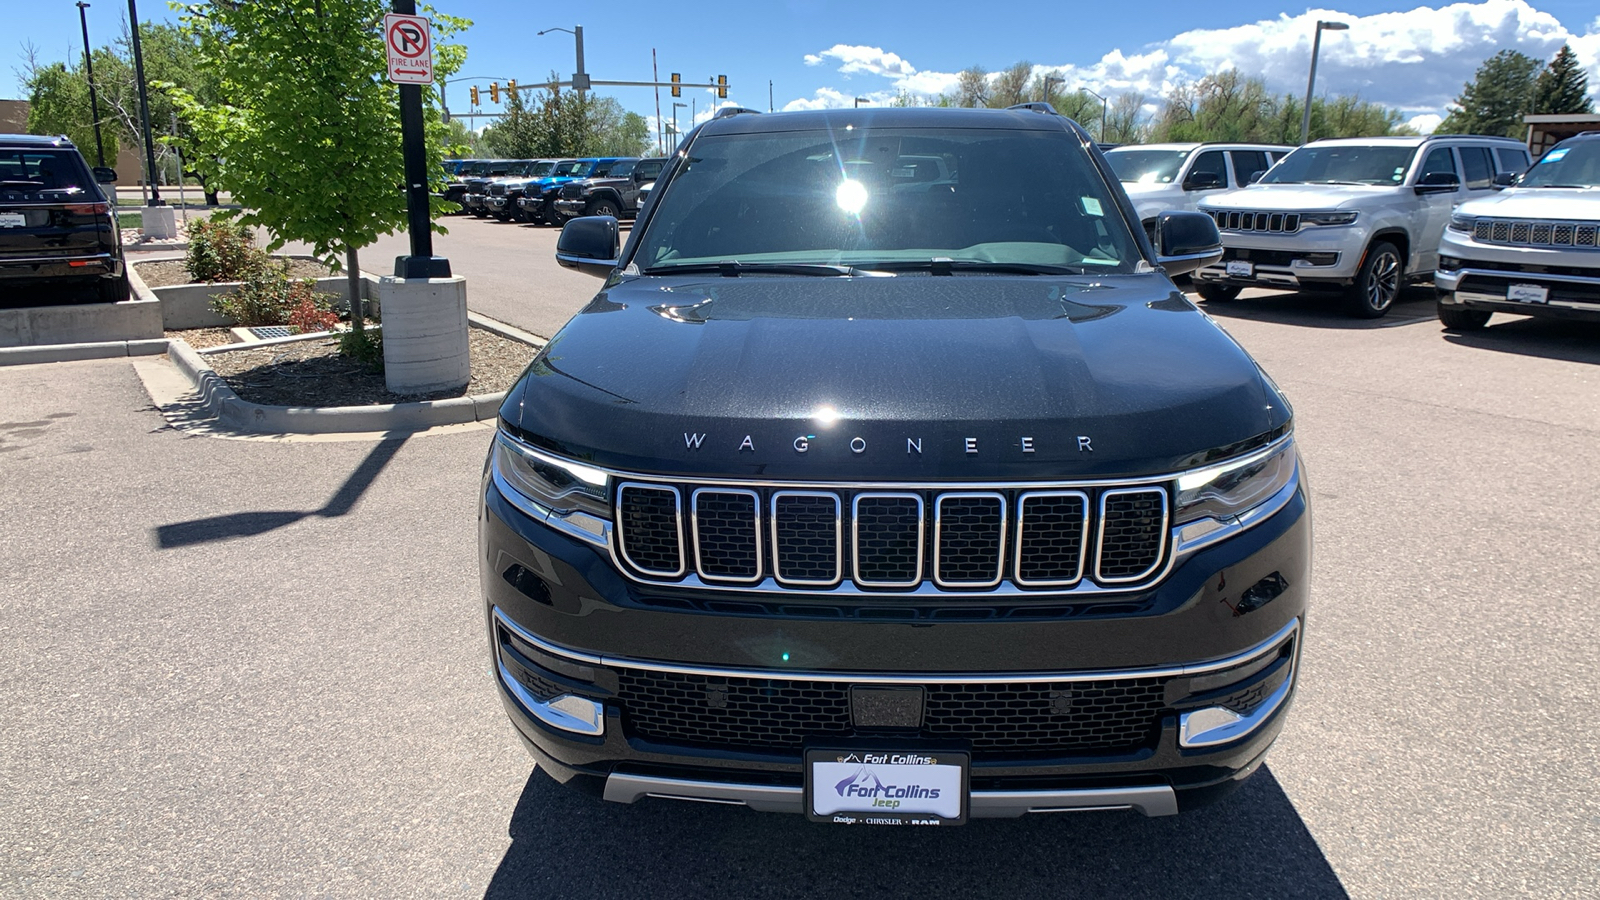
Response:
column 911, row 377
column 1538, row 203
column 1297, row 197
column 1139, row 189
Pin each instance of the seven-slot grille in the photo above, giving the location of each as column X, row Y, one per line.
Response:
column 1250, row 220
column 1580, row 235
column 892, row 539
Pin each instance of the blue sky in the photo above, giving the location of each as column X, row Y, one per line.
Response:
column 827, row 53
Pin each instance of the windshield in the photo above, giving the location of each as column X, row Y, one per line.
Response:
column 43, row 176
column 567, row 167
column 1574, row 164
column 542, row 168
column 1344, row 164
column 862, row 196
column 1146, row 166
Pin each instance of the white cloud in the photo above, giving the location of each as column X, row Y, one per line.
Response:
column 1416, row 61
column 1427, row 123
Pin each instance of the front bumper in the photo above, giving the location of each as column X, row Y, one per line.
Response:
column 530, row 204
column 496, row 204
column 565, row 628
column 1483, row 275
column 570, row 207
column 1316, row 254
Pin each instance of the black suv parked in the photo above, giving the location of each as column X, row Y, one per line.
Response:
column 614, row 194
column 886, row 499
column 56, row 226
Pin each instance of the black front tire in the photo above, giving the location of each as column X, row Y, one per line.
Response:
column 1377, row 285
column 602, row 208
column 1459, row 318
column 1217, row 293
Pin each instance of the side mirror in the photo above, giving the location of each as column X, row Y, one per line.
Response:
column 590, row 244
column 1255, row 177
column 105, row 175
column 1438, row 183
column 1200, row 181
column 1186, row 241
column 1506, row 179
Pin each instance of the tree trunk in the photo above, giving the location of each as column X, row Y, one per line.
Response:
column 211, row 199
column 353, row 265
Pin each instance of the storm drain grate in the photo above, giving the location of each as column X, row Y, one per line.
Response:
column 268, row 332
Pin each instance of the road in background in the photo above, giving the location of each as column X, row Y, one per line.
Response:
column 253, row 667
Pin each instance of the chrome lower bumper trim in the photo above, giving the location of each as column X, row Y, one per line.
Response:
column 1151, row 801
column 567, row 712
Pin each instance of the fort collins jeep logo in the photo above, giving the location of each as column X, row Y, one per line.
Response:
column 696, row 440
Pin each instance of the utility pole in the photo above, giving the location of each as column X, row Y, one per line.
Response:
column 94, row 101
column 580, row 78
column 655, row 75
column 769, row 95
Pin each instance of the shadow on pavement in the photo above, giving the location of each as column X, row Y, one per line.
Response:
column 1545, row 338
column 566, row 844
column 1323, row 310
column 250, row 524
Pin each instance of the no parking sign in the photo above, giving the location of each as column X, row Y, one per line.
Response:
column 409, row 40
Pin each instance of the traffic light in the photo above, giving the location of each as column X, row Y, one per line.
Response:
column 677, row 88
column 474, row 91
column 494, row 91
column 722, row 87
column 511, row 86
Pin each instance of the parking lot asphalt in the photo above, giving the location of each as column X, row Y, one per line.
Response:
column 250, row 667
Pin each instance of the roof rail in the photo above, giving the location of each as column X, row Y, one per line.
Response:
column 730, row 111
column 1038, row 107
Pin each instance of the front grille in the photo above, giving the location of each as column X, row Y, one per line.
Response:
column 498, row 189
column 883, row 540
column 1252, row 220
column 571, row 190
column 1576, row 235
column 999, row 719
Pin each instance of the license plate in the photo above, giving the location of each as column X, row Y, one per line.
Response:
column 1528, row 293
column 13, row 220
column 886, row 787
column 1240, row 268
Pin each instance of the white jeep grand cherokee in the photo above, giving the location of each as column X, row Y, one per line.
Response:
column 1532, row 250
column 1360, row 215
column 1162, row 178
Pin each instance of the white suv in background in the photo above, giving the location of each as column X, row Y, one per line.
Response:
column 1160, row 178
column 1361, row 215
column 1533, row 250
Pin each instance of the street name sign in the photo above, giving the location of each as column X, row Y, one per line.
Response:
column 409, row 40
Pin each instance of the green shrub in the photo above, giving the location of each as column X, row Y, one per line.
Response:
column 222, row 251
column 363, row 345
column 268, row 297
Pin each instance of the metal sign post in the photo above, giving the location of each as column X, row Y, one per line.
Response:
column 409, row 40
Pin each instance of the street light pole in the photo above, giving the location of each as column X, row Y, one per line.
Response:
column 675, row 107
column 580, row 78
column 1102, row 113
column 1047, row 79
column 444, row 102
column 1316, row 46
column 144, row 108
column 94, row 101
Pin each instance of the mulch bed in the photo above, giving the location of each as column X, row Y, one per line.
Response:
column 312, row 373
column 167, row 272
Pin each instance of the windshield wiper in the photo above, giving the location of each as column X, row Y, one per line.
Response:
column 941, row 266
column 733, row 269
column 1578, row 186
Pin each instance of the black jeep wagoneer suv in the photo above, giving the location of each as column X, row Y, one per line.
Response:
column 888, row 479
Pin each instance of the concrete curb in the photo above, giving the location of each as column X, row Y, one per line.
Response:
column 235, row 412
column 49, row 353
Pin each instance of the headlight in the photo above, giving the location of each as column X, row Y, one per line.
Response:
column 566, row 494
column 1328, row 218
column 1459, row 222
column 1213, row 498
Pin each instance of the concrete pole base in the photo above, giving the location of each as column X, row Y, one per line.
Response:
column 424, row 334
column 159, row 223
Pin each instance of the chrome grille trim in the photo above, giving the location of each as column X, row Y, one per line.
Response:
column 755, row 532
column 1100, row 536
column 621, row 532
column 838, row 539
column 1083, row 539
column 1250, row 220
column 1555, row 233
column 855, row 538
column 938, row 540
